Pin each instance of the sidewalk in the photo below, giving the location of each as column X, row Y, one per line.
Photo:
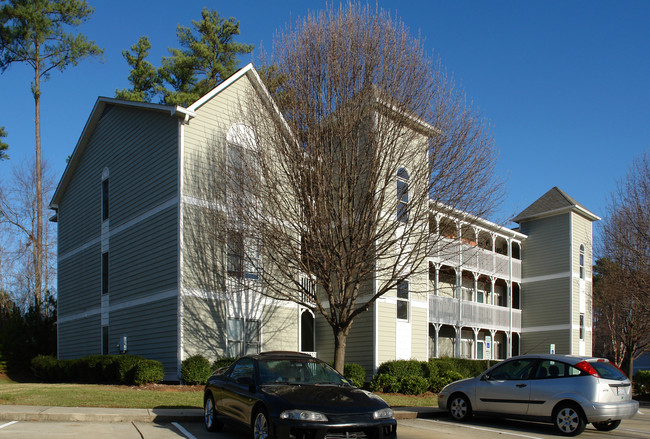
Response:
column 101, row 414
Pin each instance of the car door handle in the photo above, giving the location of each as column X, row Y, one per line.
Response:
column 521, row 385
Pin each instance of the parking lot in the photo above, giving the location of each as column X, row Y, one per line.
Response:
column 439, row 426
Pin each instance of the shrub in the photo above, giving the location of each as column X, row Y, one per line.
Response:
column 195, row 370
column 45, row 367
column 383, row 382
column 122, row 369
column 355, row 373
column 222, row 362
column 413, row 385
column 438, row 382
column 148, row 371
column 467, row 368
column 403, row 368
column 642, row 382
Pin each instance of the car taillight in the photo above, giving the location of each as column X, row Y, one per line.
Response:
column 587, row 368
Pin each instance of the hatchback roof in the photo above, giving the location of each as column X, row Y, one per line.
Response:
column 571, row 359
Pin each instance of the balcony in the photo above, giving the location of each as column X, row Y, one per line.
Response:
column 456, row 312
column 473, row 258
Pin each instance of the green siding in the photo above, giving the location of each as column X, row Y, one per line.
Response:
column 79, row 282
column 80, row 337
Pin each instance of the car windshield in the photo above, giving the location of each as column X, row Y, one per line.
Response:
column 607, row 370
column 299, row 371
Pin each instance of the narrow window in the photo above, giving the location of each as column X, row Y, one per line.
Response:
column 236, row 254
column 104, row 340
column 402, row 195
column 402, row 300
column 582, row 326
column 105, row 273
column 582, row 261
column 105, row 200
column 243, row 337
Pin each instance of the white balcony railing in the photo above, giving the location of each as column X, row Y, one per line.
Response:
column 471, row 257
column 456, row 312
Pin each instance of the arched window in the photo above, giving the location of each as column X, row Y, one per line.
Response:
column 402, row 194
column 582, row 261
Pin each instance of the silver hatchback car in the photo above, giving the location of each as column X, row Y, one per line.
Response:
column 569, row 391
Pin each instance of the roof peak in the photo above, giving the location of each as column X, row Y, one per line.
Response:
column 554, row 202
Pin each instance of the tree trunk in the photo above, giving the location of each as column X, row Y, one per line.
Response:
column 38, row 202
column 340, row 340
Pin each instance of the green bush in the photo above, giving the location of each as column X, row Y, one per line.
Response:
column 195, row 370
column 148, row 371
column 383, row 382
column 403, row 368
column 436, row 383
column 642, row 382
column 122, row 369
column 465, row 367
column 222, row 362
column 45, row 368
column 355, row 373
column 413, row 385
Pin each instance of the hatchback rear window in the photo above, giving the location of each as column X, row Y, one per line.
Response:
column 607, row 370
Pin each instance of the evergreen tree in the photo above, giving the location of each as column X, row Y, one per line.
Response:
column 3, row 146
column 34, row 32
column 207, row 56
column 143, row 76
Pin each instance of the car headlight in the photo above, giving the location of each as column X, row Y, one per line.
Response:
column 383, row 414
column 303, row 415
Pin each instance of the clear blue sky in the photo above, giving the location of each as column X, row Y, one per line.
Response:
column 566, row 84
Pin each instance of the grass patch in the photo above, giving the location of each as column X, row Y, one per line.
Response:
column 149, row 396
column 92, row 395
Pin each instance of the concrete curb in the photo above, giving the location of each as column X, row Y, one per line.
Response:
column 100, row 414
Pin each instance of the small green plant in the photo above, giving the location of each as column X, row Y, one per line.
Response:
column 384, row 382
column 355, row 373
column 148, row 371
column 413, row 385
column 195, row 370
column 403, row 368
column 438, row 382
column 642, row 382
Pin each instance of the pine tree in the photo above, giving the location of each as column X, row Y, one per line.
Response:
column 143, row 76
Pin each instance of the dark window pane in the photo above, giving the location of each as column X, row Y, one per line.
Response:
column 105, row 273
column 105, row 200
column 402, row 310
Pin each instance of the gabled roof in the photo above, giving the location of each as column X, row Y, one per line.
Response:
column 554, row 202
column 89, row 128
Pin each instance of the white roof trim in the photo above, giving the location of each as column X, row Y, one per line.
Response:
column 218, row 89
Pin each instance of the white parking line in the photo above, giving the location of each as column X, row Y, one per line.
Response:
column 8, row 424
column 187, row 434
column 486, row 429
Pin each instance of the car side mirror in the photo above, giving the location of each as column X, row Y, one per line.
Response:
column 485, row 377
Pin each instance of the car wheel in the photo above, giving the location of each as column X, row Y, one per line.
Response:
column 261, row 424
column 210, row 415
column 459, row 407
column 569, row 420
column 607, row 425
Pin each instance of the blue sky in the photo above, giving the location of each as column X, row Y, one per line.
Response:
column 565, row 84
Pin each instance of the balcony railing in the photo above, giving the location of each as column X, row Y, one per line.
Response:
column 471, row 257
column 456, row 312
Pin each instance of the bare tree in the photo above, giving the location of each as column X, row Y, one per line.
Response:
column 621, row 293
column 340, row 165
column 19, row 217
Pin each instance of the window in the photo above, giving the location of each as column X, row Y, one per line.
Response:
column 236, row 254
column 105, row 273
column 513, row 370
column 402, row 195
column 555, row 369
column 243, row 337
column 582, row 261
column 105, row 199
column 582, row 326
column 243, row 369
column 307, row 332
column 402, row 300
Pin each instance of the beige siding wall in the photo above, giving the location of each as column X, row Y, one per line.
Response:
column 280, row 327
column 582, row 288
column 386, row 327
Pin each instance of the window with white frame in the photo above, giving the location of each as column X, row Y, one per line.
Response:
column 582, row 261
column 582, row 326
column 402, row 194
column 243, row 337
column 403, row 300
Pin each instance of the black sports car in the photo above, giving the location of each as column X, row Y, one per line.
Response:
column 293, row 395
